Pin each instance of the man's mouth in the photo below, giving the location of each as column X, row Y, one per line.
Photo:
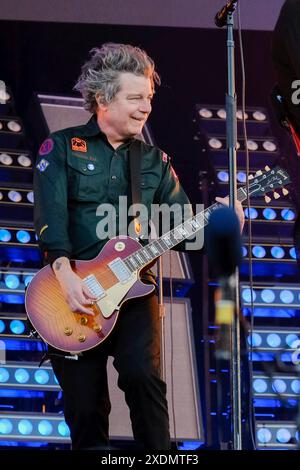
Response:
column 138, row 119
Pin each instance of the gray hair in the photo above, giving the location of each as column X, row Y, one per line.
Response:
column 101, row 73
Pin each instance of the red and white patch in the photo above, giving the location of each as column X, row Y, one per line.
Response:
column 46, row 147
column 174, row 173
column 165, row 158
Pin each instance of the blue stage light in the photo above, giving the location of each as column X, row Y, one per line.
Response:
column 253, row 213
column 286, row 296
column 5, row 426
column 246, row 294
column 287, row 214
column 292, row 340
column 63, row 429
column 279, row 386
column 255, row 339
column 41, row 376
column 259, row 251
column 23, row 236
column 11, row 281
column 2, row 326
column 25, row 427
column 267, row 296
column 28, row 279
column 21, row 376
column 293, row 253
column 277, row 252
column 17, row 327
column 283, row 435
column 241, row 176
column 273, row 340
column 4, row 375
column 264, row 435
column 5, row 235
column 223, row 176
column 45, row 427
column 55, row 379
column 269, row 213
column 244, row 251
column 260, row 385
column 295, row 386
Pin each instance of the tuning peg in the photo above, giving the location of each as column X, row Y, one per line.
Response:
column 276, row 195
column 267, row 199
column 250, row 177
column 258, row 173
column 285, row 192
column 267, row 168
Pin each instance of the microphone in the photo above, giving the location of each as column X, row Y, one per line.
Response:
column 224, row 245
column 224, row 249
column 221, row 16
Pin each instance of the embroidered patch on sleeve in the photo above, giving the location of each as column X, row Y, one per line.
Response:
column 78, row 145
column 174, row 173
column 42, row 165
column 165, row 157
column 46, row 147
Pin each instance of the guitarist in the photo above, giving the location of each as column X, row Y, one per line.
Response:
column 77, row 170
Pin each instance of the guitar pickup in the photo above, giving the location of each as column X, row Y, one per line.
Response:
column 120, row 270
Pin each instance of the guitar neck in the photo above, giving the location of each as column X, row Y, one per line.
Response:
column 169, row 240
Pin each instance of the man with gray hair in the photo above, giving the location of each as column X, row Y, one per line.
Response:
column 78, row 169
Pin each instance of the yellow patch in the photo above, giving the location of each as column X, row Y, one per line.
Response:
column 43, row 229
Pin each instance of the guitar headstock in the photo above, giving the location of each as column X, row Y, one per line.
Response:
column 267, row 182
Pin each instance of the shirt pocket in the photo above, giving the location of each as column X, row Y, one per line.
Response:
column 149, row 181
column 86, row 181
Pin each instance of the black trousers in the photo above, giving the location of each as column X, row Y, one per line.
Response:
column 135, row 346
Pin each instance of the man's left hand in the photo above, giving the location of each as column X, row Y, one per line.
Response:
column 238, row 209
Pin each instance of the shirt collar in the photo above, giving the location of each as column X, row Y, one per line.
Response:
column 92, row 129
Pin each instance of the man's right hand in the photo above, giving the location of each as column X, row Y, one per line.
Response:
column 76, row 293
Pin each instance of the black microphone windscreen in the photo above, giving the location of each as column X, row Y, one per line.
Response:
column 224, row 245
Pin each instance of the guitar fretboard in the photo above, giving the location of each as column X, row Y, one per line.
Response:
column 166, row 242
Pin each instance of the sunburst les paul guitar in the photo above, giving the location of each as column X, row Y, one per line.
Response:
column 113, row 276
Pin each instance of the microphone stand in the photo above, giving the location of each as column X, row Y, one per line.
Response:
column 225, row 17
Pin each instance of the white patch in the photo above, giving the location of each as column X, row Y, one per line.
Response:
column 42, row 165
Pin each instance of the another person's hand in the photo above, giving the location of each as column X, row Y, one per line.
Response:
column 238, row 209
column 76, row 293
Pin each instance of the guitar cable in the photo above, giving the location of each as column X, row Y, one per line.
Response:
column 247, row 329
column 172, row 348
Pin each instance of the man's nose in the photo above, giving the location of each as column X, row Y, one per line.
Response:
column 145, row 107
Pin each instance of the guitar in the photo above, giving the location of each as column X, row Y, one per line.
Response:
column 113, row 276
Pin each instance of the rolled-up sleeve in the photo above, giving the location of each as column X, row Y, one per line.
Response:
column 50, row 199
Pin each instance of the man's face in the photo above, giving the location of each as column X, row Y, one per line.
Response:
column 127, row 113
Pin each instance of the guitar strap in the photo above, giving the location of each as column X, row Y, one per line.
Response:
column 135, row 178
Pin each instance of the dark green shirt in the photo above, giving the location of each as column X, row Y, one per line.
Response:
column 77, row 170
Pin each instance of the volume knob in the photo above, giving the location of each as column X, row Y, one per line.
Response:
column 68, row 331
column 97, row 328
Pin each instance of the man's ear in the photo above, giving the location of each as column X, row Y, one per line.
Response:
column 102, row 105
